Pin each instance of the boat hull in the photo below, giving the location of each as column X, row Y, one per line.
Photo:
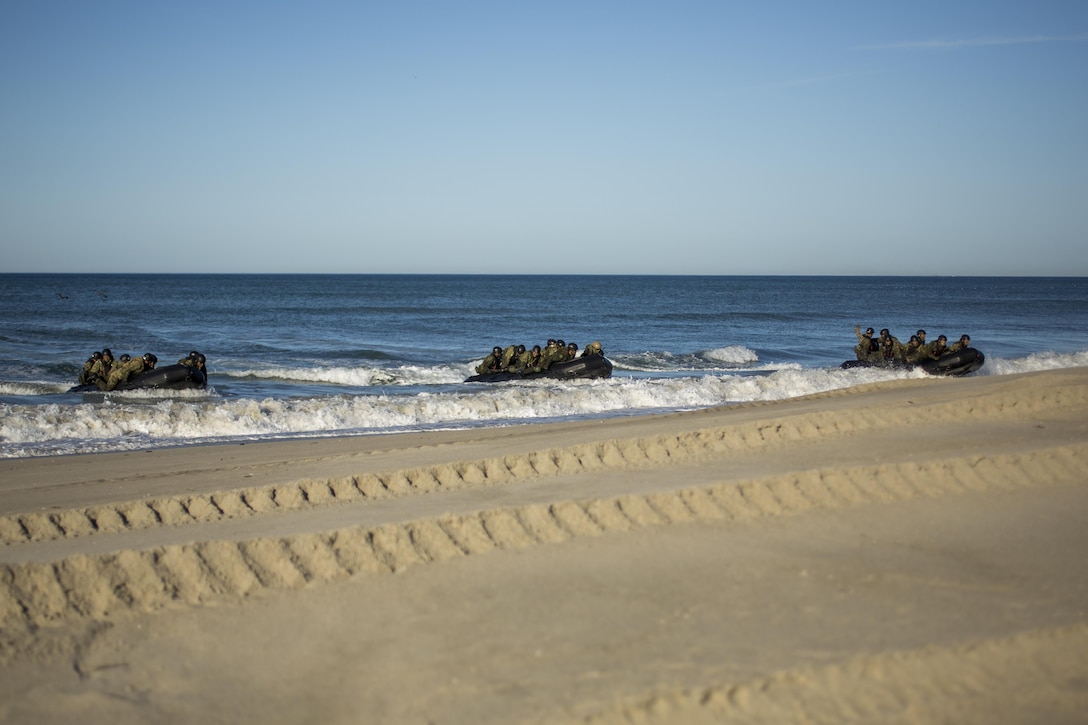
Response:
column 590, row 366
column 954, row 364
column 168, row 377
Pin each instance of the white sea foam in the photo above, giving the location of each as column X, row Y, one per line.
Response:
column 142, row 419
column 360, row 376
column 733, row 355
column 32, row 388
column 128, row 422
column 1035, row 361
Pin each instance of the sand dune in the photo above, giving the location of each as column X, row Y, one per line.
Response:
column 950, row 513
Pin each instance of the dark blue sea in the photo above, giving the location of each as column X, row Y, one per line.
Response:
column 321, row 355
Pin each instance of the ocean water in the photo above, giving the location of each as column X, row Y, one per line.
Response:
column 321, row 355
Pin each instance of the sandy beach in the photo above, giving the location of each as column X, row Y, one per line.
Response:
column 912, row 551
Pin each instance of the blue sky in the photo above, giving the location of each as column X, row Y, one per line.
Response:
column 561, row 137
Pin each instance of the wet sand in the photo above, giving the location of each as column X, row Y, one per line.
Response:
column 910, row 551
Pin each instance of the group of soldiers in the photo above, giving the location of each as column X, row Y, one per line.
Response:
column 103, row 371
column 516, row 359
column 887, row 350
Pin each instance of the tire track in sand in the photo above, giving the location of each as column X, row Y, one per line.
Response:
column 33, row 595
column 940, row 684
column 704, row 445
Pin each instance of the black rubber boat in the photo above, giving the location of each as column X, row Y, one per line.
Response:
column 955, row 364
column 961, row 362
column 168, row 377
column 591, row 366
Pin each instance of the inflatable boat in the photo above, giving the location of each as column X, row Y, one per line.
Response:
column 961, row 362
column 168, row 377
column 591, row 366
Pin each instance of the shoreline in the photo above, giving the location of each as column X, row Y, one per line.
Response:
column 949, row 507
column 22, row 473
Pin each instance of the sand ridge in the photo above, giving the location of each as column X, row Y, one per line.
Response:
column 80, row 586
column 1043, row 664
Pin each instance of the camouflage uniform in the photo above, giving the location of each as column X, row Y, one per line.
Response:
column 122, row 373
column 528, row 361
column 864, row 350
column 936, row 348
column 593, row 348
column 85, row 373
column 492, row 363
column 914, row 351
column 520, row 360
column 508, row 354
column 101, row 368
column 554, row 352
column 891, row 350
column 963, row 342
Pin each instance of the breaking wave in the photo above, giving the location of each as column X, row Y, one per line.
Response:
column 143, row 419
